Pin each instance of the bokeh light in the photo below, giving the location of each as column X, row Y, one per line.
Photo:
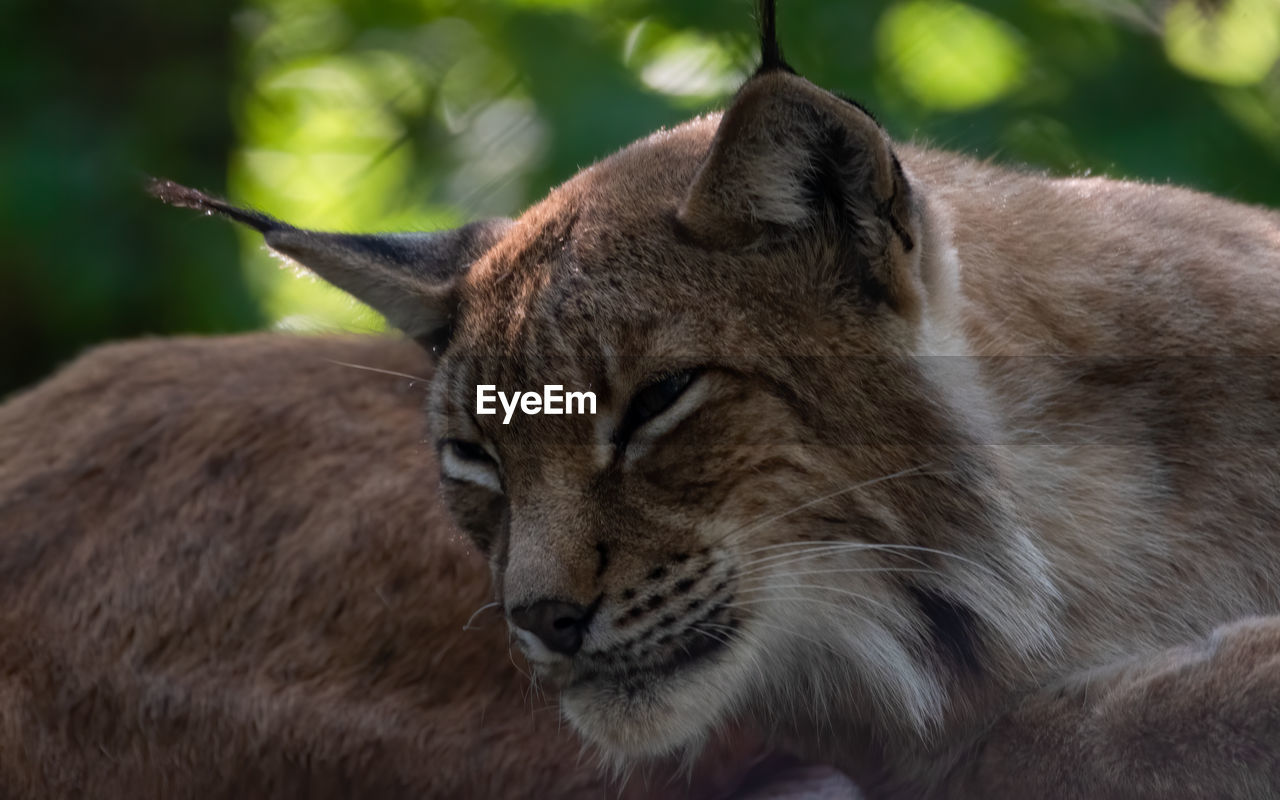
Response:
column 950, row 56
column 1237, row 44
column 421, row 114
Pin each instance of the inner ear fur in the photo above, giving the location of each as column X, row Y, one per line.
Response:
column 790, row 157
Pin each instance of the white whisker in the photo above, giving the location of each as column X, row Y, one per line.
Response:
column 765, row 587
column 756, row 621
column 391, row 372
column 827, row 548
column 839, row 571
column 846, row 609
column 779, row 560
column 752, row 526
column 478, row 611
column 705, row 628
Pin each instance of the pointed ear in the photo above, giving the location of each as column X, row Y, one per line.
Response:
column 409, row 278
column 792, row 159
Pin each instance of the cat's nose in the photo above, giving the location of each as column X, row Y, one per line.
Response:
column 560, row 625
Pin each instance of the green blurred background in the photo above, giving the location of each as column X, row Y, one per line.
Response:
column 417, row 114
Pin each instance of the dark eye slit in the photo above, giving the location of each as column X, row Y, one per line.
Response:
column 467, row 451
column 650, row 400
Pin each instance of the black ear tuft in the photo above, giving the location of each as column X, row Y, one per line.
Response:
column 175, row 194
column 410, row 278
column 771, row 59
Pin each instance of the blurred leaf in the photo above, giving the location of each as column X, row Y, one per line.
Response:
column 422, row 114
column 685, row 64
column 950, row 56
column 1236, row 45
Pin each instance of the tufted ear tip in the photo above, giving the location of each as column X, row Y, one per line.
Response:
column 771, row 59
column 407, row 277
column 179, row 196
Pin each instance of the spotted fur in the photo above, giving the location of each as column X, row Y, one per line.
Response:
column 971, row 460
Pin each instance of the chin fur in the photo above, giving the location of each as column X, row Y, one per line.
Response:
column 672, row 715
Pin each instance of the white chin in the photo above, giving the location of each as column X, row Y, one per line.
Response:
column 675, row 713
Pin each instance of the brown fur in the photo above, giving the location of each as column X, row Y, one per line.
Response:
column 224, row 573
column 1043, row 410
column 974, row 464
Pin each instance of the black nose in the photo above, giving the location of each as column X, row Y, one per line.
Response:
column 558, row 624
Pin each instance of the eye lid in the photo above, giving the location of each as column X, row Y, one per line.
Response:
column 466, row 449
column 653, row 396
column 467, row 462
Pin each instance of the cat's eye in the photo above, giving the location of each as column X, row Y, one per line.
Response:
column 650, row 401
column 467, row 451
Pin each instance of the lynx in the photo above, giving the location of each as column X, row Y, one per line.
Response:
column 960, row 478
